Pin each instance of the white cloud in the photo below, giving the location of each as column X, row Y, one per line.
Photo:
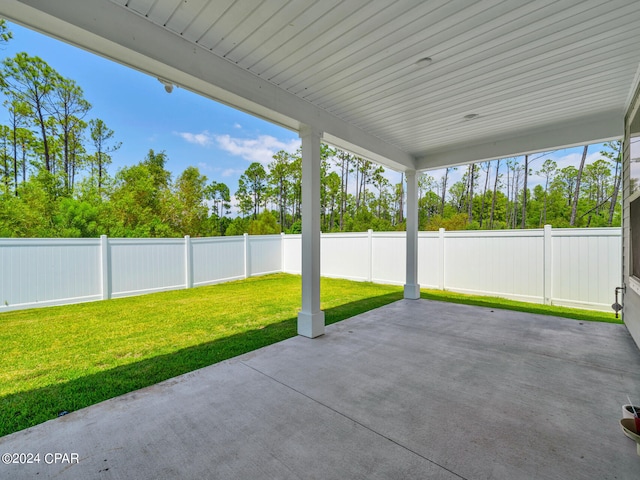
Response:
column 237, row 125
column 230, row 172
column 205, row 167
column 259, row 149
column 204, row 138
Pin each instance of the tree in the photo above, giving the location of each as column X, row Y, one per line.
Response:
column 69, row 108
column 5, row 33
column 548, row 170
column 524, row 192
column 486, row 166
column 190, row 192
column 342, row 161
column 470, row 186
column 331, row 184
column 444, row 180
column 18, row 117
column 614, row 153
column 576, row 194
column 280, row 180
column 219, row 194
column 31, row 80
column 101, row 135
column 493, row 197
column 252, row 189
column 141, row 203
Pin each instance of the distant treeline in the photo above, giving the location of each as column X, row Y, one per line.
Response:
column 55, row 181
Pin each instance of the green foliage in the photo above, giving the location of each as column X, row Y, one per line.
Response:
column 55, row 181
column 265, row 224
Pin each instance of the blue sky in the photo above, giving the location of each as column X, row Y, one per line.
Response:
column 192, row 130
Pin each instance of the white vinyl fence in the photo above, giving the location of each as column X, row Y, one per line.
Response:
column 572, row 267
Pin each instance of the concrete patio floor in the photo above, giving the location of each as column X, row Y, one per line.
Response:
column 416, row 389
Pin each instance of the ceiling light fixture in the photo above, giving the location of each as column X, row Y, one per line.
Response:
column 423, row 62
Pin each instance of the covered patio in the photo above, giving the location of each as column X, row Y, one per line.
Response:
column 412, row 85
column 415, row 389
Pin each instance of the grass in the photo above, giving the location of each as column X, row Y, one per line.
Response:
column 494, row 302
column 65, row 358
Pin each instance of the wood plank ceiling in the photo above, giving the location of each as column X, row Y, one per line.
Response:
column 517, row 66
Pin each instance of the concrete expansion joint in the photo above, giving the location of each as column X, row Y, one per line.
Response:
column 375, row 432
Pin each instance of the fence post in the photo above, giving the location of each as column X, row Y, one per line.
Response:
column 105, row 268
column 547, row 267
column 282, row 253
column 246, row 254
column 188, row 262
column 441, row 258
column 370, row 256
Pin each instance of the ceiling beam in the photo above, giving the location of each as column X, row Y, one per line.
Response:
column 596, row 129
column 112, row 31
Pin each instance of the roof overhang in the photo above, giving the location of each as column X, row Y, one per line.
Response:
column 539, row 74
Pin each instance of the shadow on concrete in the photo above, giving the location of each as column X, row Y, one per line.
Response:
column 25, row 409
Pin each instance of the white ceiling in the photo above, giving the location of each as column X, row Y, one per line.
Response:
column 539, row 74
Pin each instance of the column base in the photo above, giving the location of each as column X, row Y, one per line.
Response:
column 412, row 292
column 311, row 325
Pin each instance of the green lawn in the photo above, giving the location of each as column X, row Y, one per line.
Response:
column 65, row 358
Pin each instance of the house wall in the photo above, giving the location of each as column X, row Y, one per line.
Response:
column 631, row 295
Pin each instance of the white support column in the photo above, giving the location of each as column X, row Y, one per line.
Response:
column 411, row 287
column 310, row 318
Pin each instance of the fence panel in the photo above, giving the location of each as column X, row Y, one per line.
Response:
column 146, row 265
column 292, row 261
column 41, row 272
column 217, row 259
column 429, row 260
column 586, row 266
column 573, row 267
column 389, row 258
column 345, row 255
column 501, row 263
column 264, row 254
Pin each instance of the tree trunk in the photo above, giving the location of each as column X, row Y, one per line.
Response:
column 444, row 190
column 574, row 207
column 484, row 193
column 614, row 195
column 524, row 192
column 15, row 156
column 493, row 199
column 401, row 199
